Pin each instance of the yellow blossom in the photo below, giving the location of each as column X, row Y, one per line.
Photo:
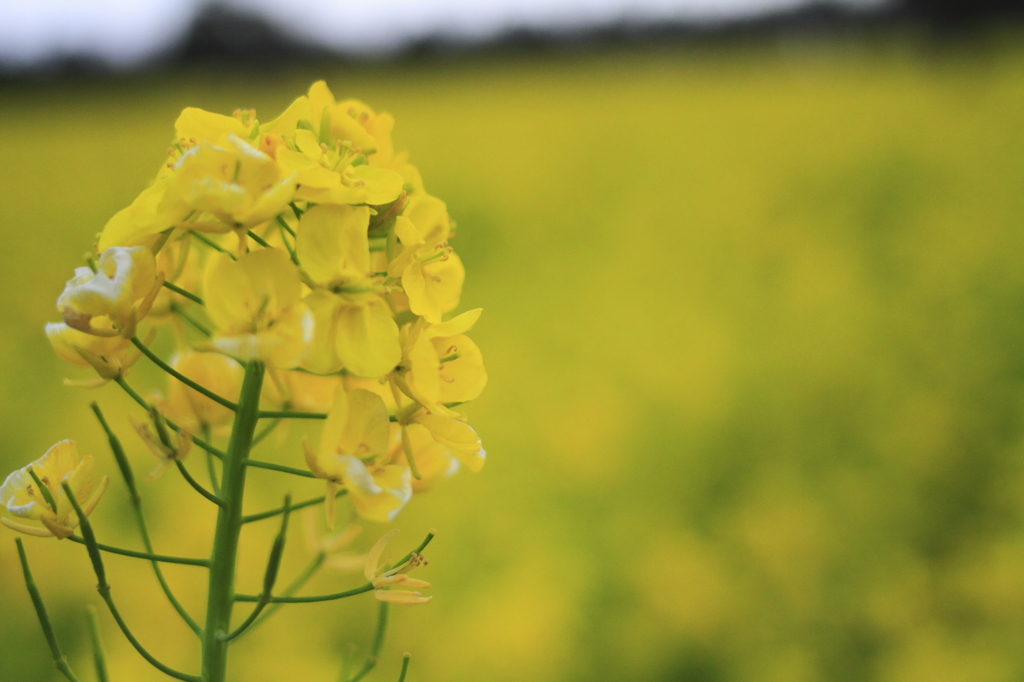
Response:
column 21, row 496
column 425, row 378
column 353, row 453
column 339, row 152
column 456, row 435
column 384, row 578
column 355, row 329
column 434, row 460
column 110, row 356
column 230, row 180
column 254, row 304
column 122, row 290
column 432, row 274
column 190, row 408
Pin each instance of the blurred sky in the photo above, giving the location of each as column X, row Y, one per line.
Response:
column 126, row 33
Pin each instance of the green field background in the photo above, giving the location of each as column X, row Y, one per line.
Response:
column 754, row 325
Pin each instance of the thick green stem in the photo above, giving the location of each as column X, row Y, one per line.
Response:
column 229, row 525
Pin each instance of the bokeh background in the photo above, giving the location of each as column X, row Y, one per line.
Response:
column 754, row 325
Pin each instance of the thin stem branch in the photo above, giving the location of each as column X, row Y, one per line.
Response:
column 288, row 414
column 140, row 520
column 104, row 589
column 294, row 587
column 187, row 294
column 180, row 312
column 99, row 657
column 148, row 556
column 270, row 576
column 256, row 464
column 405, row 667
column 280, row 510
column 267, row 430
column 368, row 587
column 59, row 659
column 197, row 486
column 378, row 643
column 213, row 245
column 211, row 468
column 181, row 377
column 259, row 240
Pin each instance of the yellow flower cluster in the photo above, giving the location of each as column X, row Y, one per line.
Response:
column 305, row 243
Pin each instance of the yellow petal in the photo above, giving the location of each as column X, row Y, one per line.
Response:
column 322, row 356
column 457, row 435
column 332, row 242
column 206, row 126
column 374, row 555
column 459, row 324
column 367, row 338
column 463, row 378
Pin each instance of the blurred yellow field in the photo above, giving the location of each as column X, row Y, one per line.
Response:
column 754, row 325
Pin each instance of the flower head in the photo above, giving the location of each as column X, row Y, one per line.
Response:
column 384, row 578
column 355, row 327
column 254, row 303
column 45, row 510
column 122, row 290
column 353, row 452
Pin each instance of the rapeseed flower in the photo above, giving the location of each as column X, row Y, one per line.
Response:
column 44, row 510
column 254, row 303
column 384, row 578
column 353, row 452
column 121, row 289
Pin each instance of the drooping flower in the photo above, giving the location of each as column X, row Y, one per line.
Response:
column 22, row 497
column 353, row 452
column 122, row 290
column 110, row 356
column 355, row 327
column 254, row 303
column 166, row 445
column 384, row 578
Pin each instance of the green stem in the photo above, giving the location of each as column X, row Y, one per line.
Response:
column 405, row 667
column 140, row 519
column 149, row 556
column 270, row 576
column 196, row 485
column 99, row 657
column 337, row 595
column 176, row 309
column 103, row 587
column 213, row 245
column 256, row 464
column 220, row 598
column 378, row 644
column 181, row 377
column 259, row 240
column 59, row 659
column 265, row 432
column 187, row 294
column 288, row 414
column 294, row 587
column 280, row 510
